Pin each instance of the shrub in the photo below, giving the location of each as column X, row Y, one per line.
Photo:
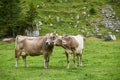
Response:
column 92, row 11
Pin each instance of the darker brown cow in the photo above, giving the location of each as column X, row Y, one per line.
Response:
column 34, row 46
column 71, row 44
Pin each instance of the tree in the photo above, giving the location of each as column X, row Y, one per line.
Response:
column 28, row 22
column 30, row 16
column 9, row 17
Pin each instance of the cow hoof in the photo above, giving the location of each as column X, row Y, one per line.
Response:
column 16, row 66
column 26, row 66
column 45, row 67
column 67, row 67
column 80, row 64
column 75, row 66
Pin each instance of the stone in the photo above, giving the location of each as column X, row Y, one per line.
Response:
column 57, row 19
column 110, row 37
column 84, row 13
column 99, row 35
column 77, row 17
column 117, row 31
column 51, row 24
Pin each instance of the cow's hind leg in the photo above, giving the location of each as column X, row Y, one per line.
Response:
column 17, row 55
column 24, row 60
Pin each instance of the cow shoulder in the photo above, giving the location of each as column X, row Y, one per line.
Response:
column 70, row 42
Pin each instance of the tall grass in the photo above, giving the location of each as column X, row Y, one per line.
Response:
column 100, row 62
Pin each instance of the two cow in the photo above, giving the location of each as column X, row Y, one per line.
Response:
column 35, row 46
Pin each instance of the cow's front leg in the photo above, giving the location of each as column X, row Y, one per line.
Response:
column 80, row 60
column 45, row 62
column 24, row 60
column 68, row 60
column 48, row 59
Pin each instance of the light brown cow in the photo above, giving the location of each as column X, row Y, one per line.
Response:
column 71, row 44
column 34, row 46
column 8, row 40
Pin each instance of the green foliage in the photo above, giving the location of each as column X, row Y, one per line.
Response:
column 31, row 15
column 100, row 62
column 92, row 11
column 9, row 17
column 116, row 7
column 28, row 20
column 10, row 22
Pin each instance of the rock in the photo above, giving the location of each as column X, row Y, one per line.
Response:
column 99, row 35
column 110, row 37
column 102, row 11
column 57, row 19
column 96, row 29
column 84, row 13
column 77, row 17
column 51, row 24
column 117, row 31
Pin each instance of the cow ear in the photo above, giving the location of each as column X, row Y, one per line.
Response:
column 68, row 38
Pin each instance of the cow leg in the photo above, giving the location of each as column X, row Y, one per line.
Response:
column 78, row 57
column 17, row 55
column 74, row 59
column 68, row 60
column 24, row 60
column 16, row 63
column 80, row 60
column 48, row 59
column 45, row 62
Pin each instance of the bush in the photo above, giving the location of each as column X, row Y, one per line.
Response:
column 92, row 11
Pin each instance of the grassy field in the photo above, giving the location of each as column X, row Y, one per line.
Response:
column 101, row 61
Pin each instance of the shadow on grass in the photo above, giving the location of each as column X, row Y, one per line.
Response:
column 51, row 67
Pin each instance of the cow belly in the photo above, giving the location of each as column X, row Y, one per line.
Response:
column 33, row 52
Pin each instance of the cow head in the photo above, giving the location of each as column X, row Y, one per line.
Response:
column 58, row 41
column 61, row 40
column 50, row 37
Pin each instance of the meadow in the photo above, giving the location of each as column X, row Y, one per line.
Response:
column 101, row 61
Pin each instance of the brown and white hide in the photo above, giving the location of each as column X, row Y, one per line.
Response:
column 72, row 45
column 34, row 46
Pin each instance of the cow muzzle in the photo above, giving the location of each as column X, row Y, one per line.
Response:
column 49, row 43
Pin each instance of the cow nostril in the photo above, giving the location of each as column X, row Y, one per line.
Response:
column 52, row 42
column 46, row 42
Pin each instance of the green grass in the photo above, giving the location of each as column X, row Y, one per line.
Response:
column 101, row 61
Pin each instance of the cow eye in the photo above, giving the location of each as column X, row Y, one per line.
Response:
column 53, row 37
